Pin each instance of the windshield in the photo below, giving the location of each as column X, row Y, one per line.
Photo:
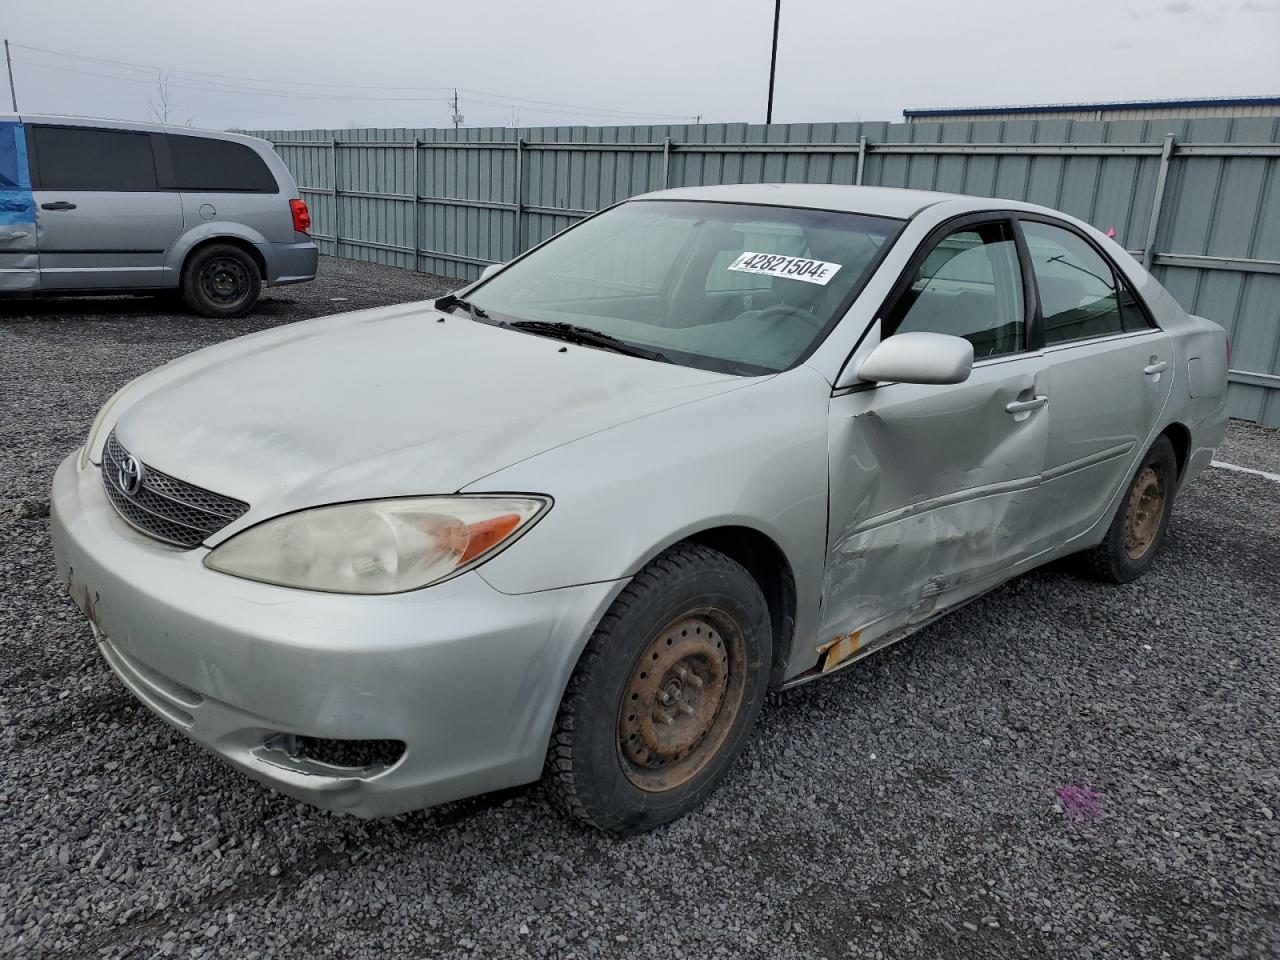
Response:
column 723, row 286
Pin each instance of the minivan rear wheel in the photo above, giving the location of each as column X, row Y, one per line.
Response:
column 221, row 280
column 665, row 696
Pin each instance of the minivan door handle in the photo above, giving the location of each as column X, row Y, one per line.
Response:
column 1157, row 366
column 1025, row 406
column 58, row 205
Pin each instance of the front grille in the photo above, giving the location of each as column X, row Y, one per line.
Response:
column 165, row 507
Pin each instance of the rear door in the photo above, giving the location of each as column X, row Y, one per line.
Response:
column 102, row 222
column 1110, row 370
column 18, row 257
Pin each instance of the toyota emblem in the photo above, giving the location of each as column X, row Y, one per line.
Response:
column 130, row 475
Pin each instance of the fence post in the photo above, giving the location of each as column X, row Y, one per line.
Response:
column 1157, row 201
column 666, row 162
column 414, row 207
column 519, row 196
column 862, row 159
column 337, row 216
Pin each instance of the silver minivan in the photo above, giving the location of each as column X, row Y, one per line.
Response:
column 101, row 206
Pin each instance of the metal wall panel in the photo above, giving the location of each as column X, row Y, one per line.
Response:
column 450, row 201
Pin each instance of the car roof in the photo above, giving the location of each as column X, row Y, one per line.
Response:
column 874, row 201
column 137, row 125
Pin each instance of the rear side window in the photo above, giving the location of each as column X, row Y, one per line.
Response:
column 202, row 163
column 1077, row 286
column 80, row 158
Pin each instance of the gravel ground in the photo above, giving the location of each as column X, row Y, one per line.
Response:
column 1252, row 446
column 1060, row 769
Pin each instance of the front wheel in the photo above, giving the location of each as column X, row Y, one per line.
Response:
column 221, row 280
column 665, row 695
column 1138, row 530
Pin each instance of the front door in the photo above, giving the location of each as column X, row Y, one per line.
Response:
column 935, row 488
column 1110, row 370
column 102, row 222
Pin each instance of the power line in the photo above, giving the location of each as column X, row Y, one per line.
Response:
column 543, row 106
column 225, row 88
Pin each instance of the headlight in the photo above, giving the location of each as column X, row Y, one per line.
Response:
column 378, row 546
column 96, row 427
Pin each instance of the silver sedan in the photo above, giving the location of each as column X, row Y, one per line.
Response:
column 574, row 521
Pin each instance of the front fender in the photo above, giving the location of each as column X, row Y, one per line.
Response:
column 755, row 457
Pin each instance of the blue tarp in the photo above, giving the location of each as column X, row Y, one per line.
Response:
column 17, row 205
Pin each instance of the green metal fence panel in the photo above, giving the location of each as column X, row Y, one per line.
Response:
column 1197, row 200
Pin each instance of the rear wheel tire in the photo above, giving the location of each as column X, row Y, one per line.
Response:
column 221, row 280
column 1137, row 532
column 665, row 695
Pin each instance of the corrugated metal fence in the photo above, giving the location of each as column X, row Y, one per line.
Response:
column 1197, row 200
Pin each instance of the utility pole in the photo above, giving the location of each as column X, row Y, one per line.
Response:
column 8, row 62
column 457, row 117
column 773, row 59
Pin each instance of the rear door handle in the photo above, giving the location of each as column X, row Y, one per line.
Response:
column 1023, row 406
column 58, row 205
column 1151, row 369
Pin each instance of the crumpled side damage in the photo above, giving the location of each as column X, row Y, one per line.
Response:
column 870, row 594
column 18, row 256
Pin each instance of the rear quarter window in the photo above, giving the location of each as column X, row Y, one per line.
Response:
column 205, row 164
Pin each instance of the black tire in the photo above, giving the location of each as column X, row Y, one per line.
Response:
column 597, row 770
column 1136, row 533
column 221, row 280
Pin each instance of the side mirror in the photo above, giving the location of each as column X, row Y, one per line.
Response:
column 919, row 358
column 490, row 270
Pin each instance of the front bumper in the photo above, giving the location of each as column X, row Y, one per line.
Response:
column 290, row 262
column 467, row 677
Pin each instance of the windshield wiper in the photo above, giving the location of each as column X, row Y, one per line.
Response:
column 450, row 300
column 585, row 336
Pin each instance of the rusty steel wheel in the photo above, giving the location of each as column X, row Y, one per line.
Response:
column 664, row 697
column 1145, row 511
column 1133, row 539
column 681, row 700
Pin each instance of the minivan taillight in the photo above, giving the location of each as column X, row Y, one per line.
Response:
column 301, row 216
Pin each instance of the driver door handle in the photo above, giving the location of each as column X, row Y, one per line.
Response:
column 1023, row 406
column 58, row 205
column 1160, row 366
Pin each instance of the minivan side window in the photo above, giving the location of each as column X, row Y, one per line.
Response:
column 205, row 164
column 1077, row 286
column 84, row 158
column 970, row 286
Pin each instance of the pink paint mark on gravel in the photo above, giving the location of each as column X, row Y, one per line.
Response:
column 1080, row 803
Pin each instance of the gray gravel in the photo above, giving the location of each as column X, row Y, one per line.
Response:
column 909, row 808
column 1252, row 446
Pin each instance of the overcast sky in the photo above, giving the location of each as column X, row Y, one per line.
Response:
column 285, row 64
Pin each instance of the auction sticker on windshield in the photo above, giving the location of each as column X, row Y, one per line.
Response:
column 791, row 268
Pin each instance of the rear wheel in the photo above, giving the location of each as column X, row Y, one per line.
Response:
column 665, row 695
column 221, row 280
column 1138, row 530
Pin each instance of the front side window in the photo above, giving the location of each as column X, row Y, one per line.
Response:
column 80, row 158
column 969, row 285
column 1077, row 287
column 724, row 286
column 206, row 164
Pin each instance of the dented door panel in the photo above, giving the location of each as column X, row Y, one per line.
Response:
column 19, row 259
column 934, row 496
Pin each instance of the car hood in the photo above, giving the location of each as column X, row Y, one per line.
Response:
column 389, row 402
